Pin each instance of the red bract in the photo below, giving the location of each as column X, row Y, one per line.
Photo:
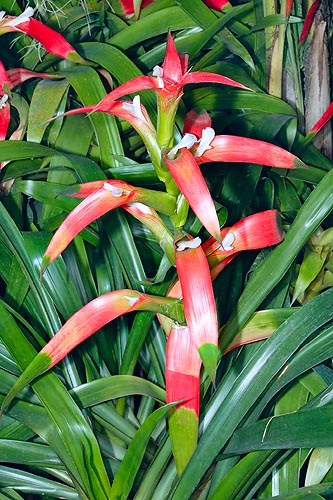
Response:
column 17, row 76
column 110, row 196
column 91, row 318
column 289, row 4
column 52, row 41
column 196, row 121
column 198, row 300
column 84, row 323
column 182, row 374
column 322, row 121
column 190, row 181
column 128, row 6
column 99, row 198
column 4, row 102
column 256, row 231
column 182, row 377
column 308, row 21
column 131, row 111
column 216, row 4
column 231, row 148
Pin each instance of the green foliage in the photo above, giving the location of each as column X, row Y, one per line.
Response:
column 95, row 427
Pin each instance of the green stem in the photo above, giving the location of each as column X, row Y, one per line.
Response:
column 164, row 203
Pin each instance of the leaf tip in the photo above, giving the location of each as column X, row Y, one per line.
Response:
column 208, row 353
column 38, row 365
column 46, row 261
column 300, row 164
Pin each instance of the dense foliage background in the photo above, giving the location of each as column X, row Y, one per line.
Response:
column 98, row 417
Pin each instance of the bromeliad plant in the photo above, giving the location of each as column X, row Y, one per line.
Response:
column 146, row 246
column 188, row 312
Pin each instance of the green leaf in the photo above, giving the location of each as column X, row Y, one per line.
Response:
column 127, row 471
column 31, row 483
column 160, row 22
column 285, row 432
column 44, row 103
column 19, row 452
column 117, row 386
column 321, row 461
column 316, row 492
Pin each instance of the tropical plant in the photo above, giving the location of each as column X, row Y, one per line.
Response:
column 166, row 241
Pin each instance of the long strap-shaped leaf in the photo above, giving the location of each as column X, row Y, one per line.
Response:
column 77, row 444
column 12, row 239
column 127, row 471
column 84, row 446
column 285, row 431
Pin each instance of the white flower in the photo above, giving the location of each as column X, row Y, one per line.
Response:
column 131, row 300
column 3, row 100
column 135, row 108
column 187, row 141
column 228, row 241
column 22, row 18
column 141, row 207
column 115, row 191
column 158, row 72
column 207, row 136
column 182, row 245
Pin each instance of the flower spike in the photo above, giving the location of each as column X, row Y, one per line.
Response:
column 198, row 299
column 168, row 81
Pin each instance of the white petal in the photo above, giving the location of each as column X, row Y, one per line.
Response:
column 117, row 192
column 187, row 141
column 141, row 207
column 182, row 245
column 135, row 108
column 158, row 72
column 207, row 136
column 22, row 18
column 2, row 14
column 131, row 300
column 3, row 100
column 228, row 241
